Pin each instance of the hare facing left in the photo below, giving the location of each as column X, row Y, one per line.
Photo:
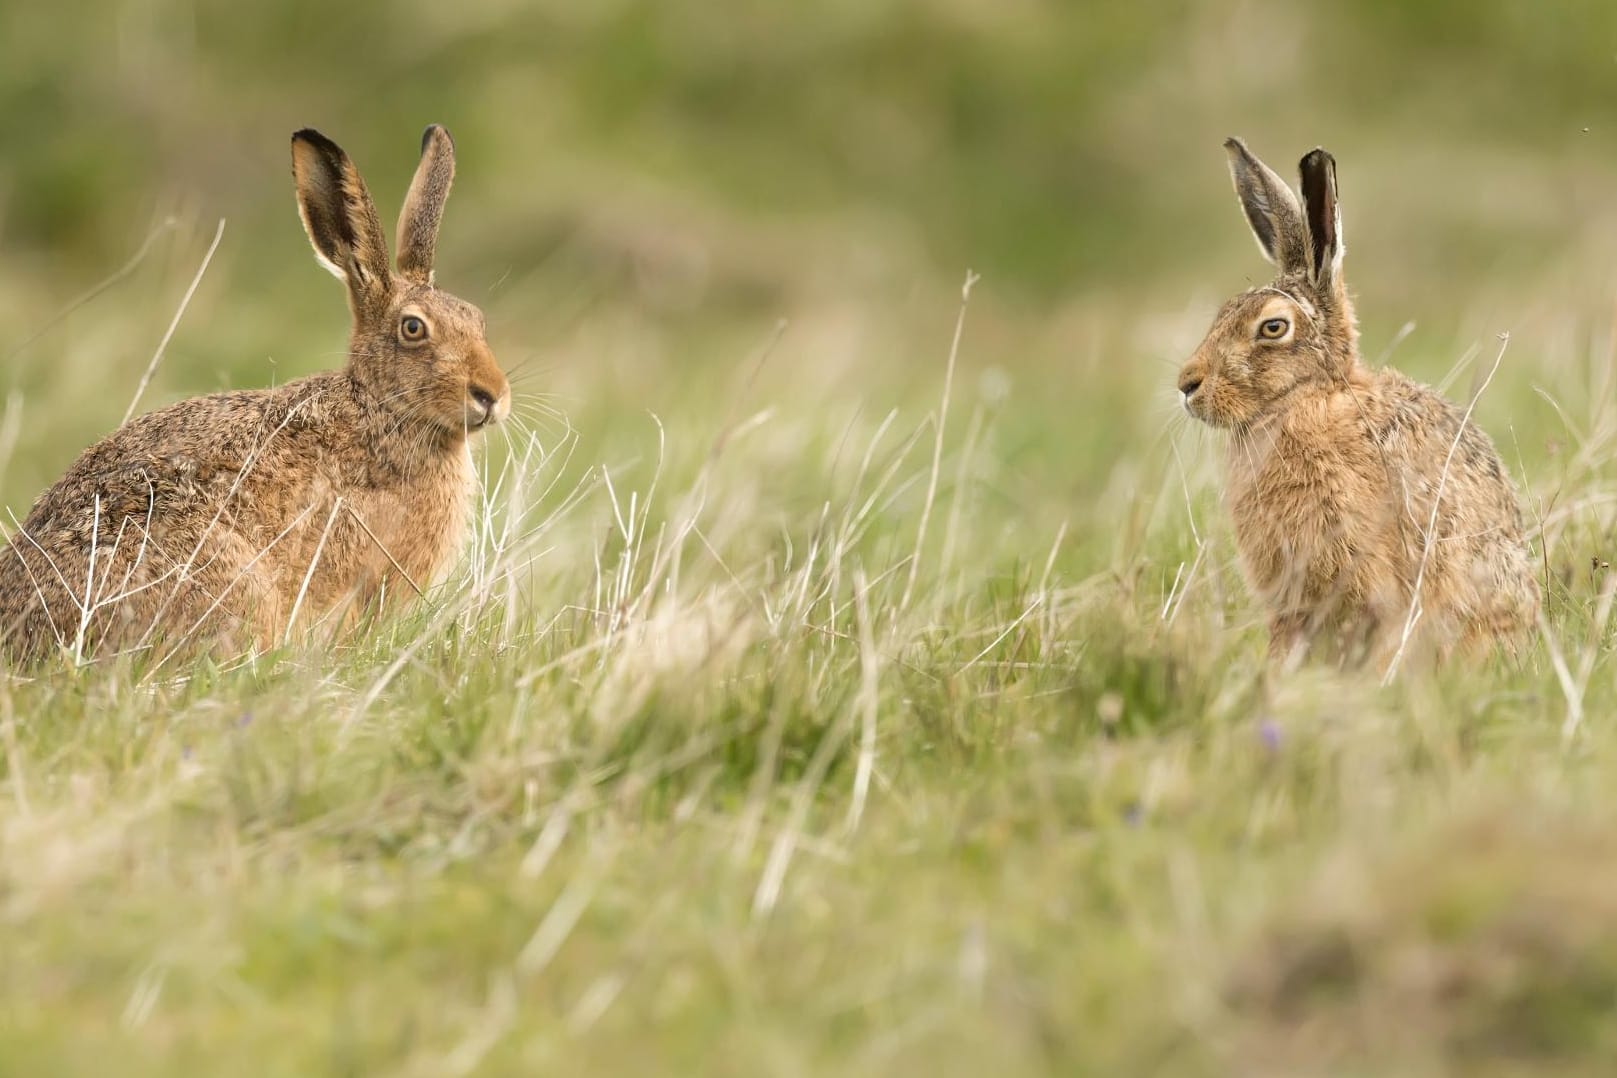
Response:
column 1370, row 513
column 230, row 521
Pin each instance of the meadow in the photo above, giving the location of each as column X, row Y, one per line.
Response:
column 850, row 672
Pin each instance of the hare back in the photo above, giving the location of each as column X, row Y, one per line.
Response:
column 1332, row 503
column 232, row 520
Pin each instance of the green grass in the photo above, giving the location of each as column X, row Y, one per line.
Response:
column 707, row 760
column 683, row 772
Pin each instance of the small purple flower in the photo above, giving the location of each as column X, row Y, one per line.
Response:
column 245, row 721
column 1269, row 734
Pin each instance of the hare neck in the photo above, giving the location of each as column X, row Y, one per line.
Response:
column 402, row 445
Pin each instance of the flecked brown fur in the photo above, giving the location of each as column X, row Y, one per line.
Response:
column 213, row 521
column 1333, row 467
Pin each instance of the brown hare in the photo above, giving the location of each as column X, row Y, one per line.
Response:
column 231, row 521
column 1333, row 468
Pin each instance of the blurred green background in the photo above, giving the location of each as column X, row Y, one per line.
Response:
column 647, row 189
column 703, row 216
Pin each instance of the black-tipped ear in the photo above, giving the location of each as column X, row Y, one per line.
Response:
column 1324, row 217
column 339, row 216
column 1270, row 207
column 424, row 205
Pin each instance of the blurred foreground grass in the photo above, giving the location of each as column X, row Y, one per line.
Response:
column 709, row 761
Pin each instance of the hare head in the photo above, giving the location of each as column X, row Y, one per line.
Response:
column 418, row 350
column 1298, row 329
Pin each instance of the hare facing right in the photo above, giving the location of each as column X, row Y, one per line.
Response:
column 230, row 521
column 1371, row 515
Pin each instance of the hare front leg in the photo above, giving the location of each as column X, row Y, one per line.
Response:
column 1289, row 639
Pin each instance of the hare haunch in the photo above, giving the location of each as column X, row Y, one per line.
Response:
column 1333, row 467
column 230, row 520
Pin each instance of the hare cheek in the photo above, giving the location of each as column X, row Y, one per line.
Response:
column 1236, row 373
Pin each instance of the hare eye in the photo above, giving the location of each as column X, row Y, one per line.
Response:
column 412, row 328
column 1272, row 329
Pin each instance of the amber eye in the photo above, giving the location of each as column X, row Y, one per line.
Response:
column 1272, row 329
column 412, row 328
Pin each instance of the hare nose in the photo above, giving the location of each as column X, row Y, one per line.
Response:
column 483, row 399
column 1188, row 385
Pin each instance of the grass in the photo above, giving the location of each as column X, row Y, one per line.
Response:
column 805, row 739
column 824, row 691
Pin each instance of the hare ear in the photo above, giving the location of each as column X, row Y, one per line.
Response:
column 339, row 216
column 1271, row 209
column 424, row 205
column 1324, row 216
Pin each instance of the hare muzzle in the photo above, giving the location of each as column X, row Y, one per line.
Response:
column 1189, row 383
column 484, row 407
column 488, row 393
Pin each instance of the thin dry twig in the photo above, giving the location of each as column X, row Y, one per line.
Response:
column 165, row 225
column 937, row 444
column 388, row 554
column 314, row 563
column 174, row 324
column 869, row 687
column 1431, row 523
